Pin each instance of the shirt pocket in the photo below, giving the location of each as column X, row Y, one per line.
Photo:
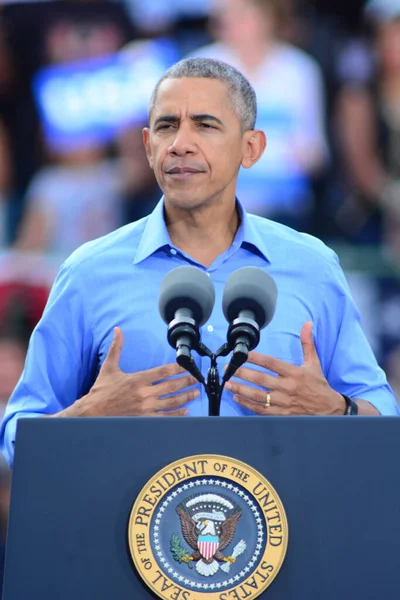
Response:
column 285, row 346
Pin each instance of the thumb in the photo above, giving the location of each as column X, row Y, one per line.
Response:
column 307, row 342
column 111, row 362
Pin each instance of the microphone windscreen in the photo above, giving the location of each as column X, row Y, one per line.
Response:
column 250, row 288
column 186, row 287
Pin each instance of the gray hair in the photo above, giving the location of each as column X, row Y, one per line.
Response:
column 241, row 93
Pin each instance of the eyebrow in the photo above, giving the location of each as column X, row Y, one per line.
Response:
column 194, row 117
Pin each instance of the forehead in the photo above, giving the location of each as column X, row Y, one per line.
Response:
column 193, row 95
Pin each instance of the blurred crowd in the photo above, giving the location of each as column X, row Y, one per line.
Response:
column 75, row 76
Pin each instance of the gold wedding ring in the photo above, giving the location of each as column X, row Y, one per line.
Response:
column 268, row 402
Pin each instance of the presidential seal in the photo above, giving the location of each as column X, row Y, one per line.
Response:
column 208, row 527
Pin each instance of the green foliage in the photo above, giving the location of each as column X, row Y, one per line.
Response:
column 178, row 551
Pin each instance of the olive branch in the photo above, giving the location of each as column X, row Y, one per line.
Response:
column 178, row 551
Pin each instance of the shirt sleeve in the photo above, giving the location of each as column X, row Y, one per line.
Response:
column 60, row 360
column 346, row 356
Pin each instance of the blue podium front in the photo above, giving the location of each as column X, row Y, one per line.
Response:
column 85, row 503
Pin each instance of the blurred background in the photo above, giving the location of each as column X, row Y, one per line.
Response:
column 75, row 79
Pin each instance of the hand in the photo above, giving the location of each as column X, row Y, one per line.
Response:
column 115, row 393
column 295, row 391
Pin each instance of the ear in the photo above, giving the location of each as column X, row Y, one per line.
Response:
column 146, row 142
column 255, row 142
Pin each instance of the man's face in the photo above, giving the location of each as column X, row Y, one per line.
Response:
column 194, row 143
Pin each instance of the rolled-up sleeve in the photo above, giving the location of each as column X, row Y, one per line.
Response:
column 347, row 358
column 59, row 363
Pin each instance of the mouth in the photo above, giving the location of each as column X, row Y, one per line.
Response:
column 183, row 172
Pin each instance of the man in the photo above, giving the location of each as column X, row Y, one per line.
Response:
column 101, row 349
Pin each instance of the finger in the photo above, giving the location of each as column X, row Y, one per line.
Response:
column 180, row 412
column 161, row 373
column 307, row 342
column 261, row 409
column 172, row 385
column 178, row 400
column 111, row 362
column 257, row 377
column 272, row 364
column 253, row 394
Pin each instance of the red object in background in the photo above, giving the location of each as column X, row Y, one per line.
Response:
column 22, row 299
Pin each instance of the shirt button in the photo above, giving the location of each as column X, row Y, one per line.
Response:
column 210, row 328
column 173, row 251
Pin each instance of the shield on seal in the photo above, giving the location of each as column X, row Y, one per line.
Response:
column 208, row 545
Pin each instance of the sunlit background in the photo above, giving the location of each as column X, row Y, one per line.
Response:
column 75, row 79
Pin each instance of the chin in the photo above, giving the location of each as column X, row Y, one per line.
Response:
column 186, row 201
column 188, row 205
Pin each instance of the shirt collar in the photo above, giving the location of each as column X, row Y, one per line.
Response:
column 155, row 234
column 249, row 233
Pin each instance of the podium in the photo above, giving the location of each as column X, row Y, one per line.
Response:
column 75, row 482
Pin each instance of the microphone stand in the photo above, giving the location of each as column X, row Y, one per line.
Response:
column 184, row 335
column 243, row 335
column 213, row 386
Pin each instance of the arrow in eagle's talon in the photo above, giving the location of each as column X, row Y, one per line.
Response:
column 230, row 559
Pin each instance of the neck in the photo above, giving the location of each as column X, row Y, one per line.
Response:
column 203, row 233
column 253, row 54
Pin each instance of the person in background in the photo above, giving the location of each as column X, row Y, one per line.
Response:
column 12, row 360
column 368, row 126
column 17, row 322
column 70, row 202
column 5, row 182
column 35, row 35
column 86, row 195
column 141, row 193
column 289, row 89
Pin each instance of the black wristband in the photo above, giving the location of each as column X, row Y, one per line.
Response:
column 352, row 407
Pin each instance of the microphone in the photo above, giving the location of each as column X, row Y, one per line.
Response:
column 185, row 303
column 248, row 304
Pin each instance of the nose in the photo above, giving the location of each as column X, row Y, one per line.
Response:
column 183, row 142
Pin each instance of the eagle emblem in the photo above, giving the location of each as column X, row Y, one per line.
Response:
column 208, row 524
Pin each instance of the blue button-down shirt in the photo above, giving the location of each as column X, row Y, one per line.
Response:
column 116, row 280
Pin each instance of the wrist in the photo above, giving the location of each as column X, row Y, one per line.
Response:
column 84, row 407
column 78, row 409
column 339, row 404
column 351, row 406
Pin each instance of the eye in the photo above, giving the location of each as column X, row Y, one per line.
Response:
column 206, row 126
column 164, row 126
